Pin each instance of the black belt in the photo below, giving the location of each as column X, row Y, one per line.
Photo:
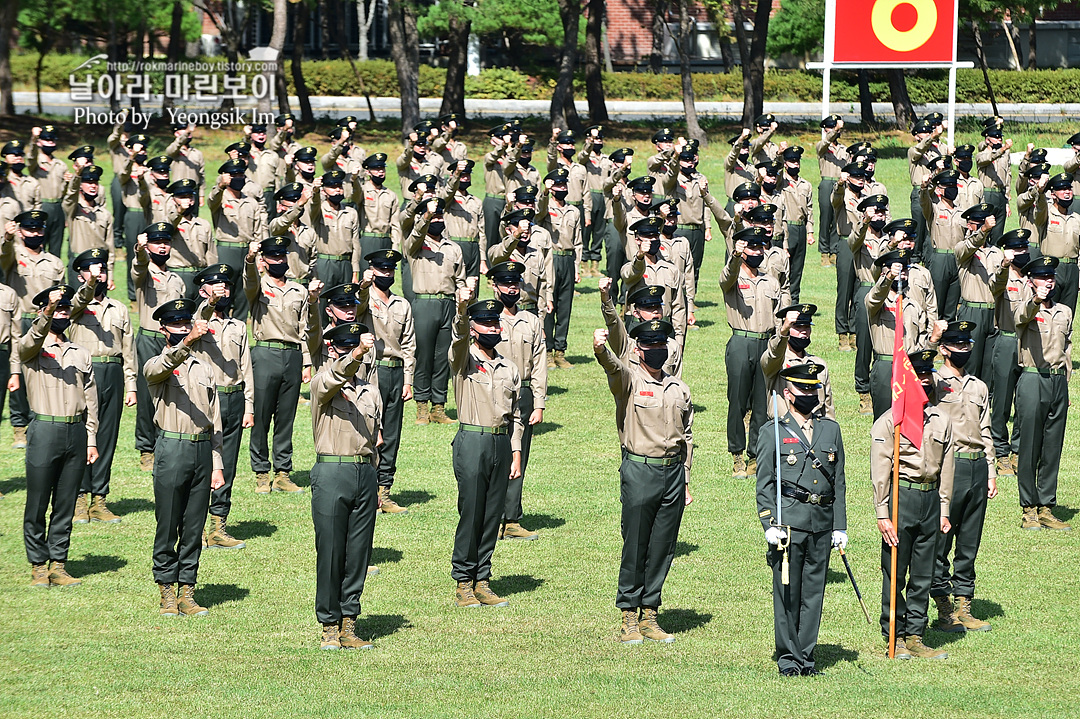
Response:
column 801, row 494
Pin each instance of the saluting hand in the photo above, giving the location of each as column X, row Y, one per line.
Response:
column 198, row 329
column 599, row 339
column 314, row 290
column 605, row 287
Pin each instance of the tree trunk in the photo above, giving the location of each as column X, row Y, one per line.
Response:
column 1032, row 58
column 981, row 53
column 866, row 101
column 175, row 52
column 324, row 29
column 659, row 23
column 453, row 99
column 363, row 23
column 563, row 113
column 405, row 52
column 8, row 15
column 1011, row 35
column 343, row 45
column 594, row 79
column 113, row 52
column 277, row 43
column 726, row 55
column 37, row 78
column 752, row 50
column 902, row 107
column 300, row 29
column 687, row 25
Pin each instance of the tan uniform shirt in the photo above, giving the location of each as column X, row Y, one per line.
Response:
column 620, row 343
column 1033, row 211
column 378, row 207
column 224, row 348
column 409, row 168
column 157, row 202
column 881, row 308
column 866, row 246
column 662, row 168
column 517, row 175
column 337, row 231
column 438, row 267
column 762, row 148
column 301, row 254
column 564, row 226
column 89, row 224
column 944, row 224
column 736, row 172
column 690, row 191
column 103, row 327
column 59, row 377
column 195, row 245
column 995, row 170
column 779, row 356
column 797, row 202
column 1017, row 293
column 751, row 298
column 188, row 164
column 1061, row 236
column 598, row 169
column 153, row 287
column 278, row 314
column 49, row 173
column 9, row 311
column 523, row 342
column 676, row 250
column 934, row 462
column 536, row 287
column 966, row 400
column 26, row 190
column 494, row 179
column 1044, row 334
column 982, row 276
column 235, row 219
column 832, row 157
column 969, row 192
column 486, row 390
column 28, row 273
column 464, row 217
column 643, row 272
column 921, row 157
column 185, row 396
column 655, row 418
column 133, row 190
column 346, row 410
column 392, row 324
column 117, row 152
column 450, row 149
column 269, row 170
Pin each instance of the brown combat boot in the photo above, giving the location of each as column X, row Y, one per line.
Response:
column 58, row 576
column 751, row 467
column 422, row 416
column 825, row 259
column 916, row 648
column 901, row 651
column 146, row 461
column 963, row 615
column 82, row 511
column 843, row 345
column 628, row 633
column 100, row 512
column 551, row 358
column 738, row 466
column 866, row 404
column 187, row 604
column 832, row 259
column 282, row 483
column 513, row 530
column 331, row 637
column 168, row 601
column 1005, row 467
column 650, row 629
column 851, row 342
column 347, row 636
column 484, row 595
column 464, row 596
column 946, row 621
column 1049, row 521
column 372, row 570
column 387, row 505
column 560, row 360
column 18, row 440
column 262, row 483
column 438, row 414
column 219, row 538
column 1030, row 519
column 39, row 576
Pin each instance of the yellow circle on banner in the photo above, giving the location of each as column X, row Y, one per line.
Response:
column 908, row 40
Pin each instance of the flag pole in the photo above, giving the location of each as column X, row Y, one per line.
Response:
column 893, row 552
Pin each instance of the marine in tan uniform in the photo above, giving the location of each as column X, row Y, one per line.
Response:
column 25, row 188
column 762, row 147
column 922, row 158
column 518, row 170
column 677, row 250
column 62, row 438
column 689, row 188
column 102, row 325
column 868, row 241
column 662, row 165
column 796, row 201
column 465, row 217
column 832, row 157
column 49, row 173
column 300, row 167
column 848, row 192
column 645, row 305
column 788, row 348
column 292, row 202
column 560, row 155
column 487, row 447
column 156, row 188
column 738, row 167
column 966, row 400
column 337, row 229
column 193, row 246
column 417, row 159
column 1060, row 237
column 970, row 187
column 598, row 168
column 447, row 144
column 346, row 421
column 378, row 206
column 187, row 455
column 90, row 220
column 650, row 267
column 1044, row 335
column 269, row 168
column 945, row 228
column 343, row 154
column 751, row 297
column 136, row 198
column 517, row 245
column 654, row 415
column 224, row 348
column 238, row 219
column 994, row 167
column 562, row 220
column 983, row 272
column 188, row 162
column 495, row 181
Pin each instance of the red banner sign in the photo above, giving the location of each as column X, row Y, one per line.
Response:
column 895, row 31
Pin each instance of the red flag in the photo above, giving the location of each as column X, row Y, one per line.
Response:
column 908, row 398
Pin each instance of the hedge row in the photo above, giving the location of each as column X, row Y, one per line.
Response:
column 336, row 78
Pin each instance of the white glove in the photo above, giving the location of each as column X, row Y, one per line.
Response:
column 839, row 539
column 775, row 535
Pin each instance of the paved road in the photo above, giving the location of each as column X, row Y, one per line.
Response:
column 59, row 103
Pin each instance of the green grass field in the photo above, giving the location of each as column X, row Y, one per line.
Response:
column 101, row 649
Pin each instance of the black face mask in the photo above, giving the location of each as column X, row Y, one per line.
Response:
column 237, row 182
column 436, row 228
column 47, row 149
column 686, row 170
column 897, row 284
column 754, row 260
column 878, row 225
column 17, row 167
column 805, row 404
column 769, row 186
column 560, row 195
column 654, row 248
column 33, row 242
column 92, row 199
column 383, row 282
column 277, row 270
column 964, row 165
column 161, row 182
column 488, row 341
column 597, row 147
column 335, row 200
column 793, row 171
column 643, row 207
column 869, row 175
column 655, row 358
column 258, row 144
column 950, row 193
column 140, row 159
column 100, row 289
column 464, row 184
column 223, row 303
column 568, row 153
column 377, row 181
column 60, row 325
column 799, row 344
column 157, row 259
column 190, row 210
column 418, row 157
column 175, row 338
column 509, row 299
column 959, row 359
column 1020, row 259
column 669, row 230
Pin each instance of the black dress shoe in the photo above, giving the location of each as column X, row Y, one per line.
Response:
column 811, row 672
column 790, row 672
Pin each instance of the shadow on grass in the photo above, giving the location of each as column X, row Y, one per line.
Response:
column 683, row 549
column 375, row 626
column 132, row 505
column 515, row 584
column 703, row 303
column 211, row 595
column 580, row 359
column 1064, row 513
column 586, row 289
column 413, row 497
column 18, row 484
column 555, row 389
column 385, row 555
column 704, row 323
column 827, row 655
column 544, row 428
column 839, row 576
column 301, row 478
column 542, row 521
column 252, row 528
column 699, row 408
column 682, row 620
column 95, row 564
column 985, row 609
